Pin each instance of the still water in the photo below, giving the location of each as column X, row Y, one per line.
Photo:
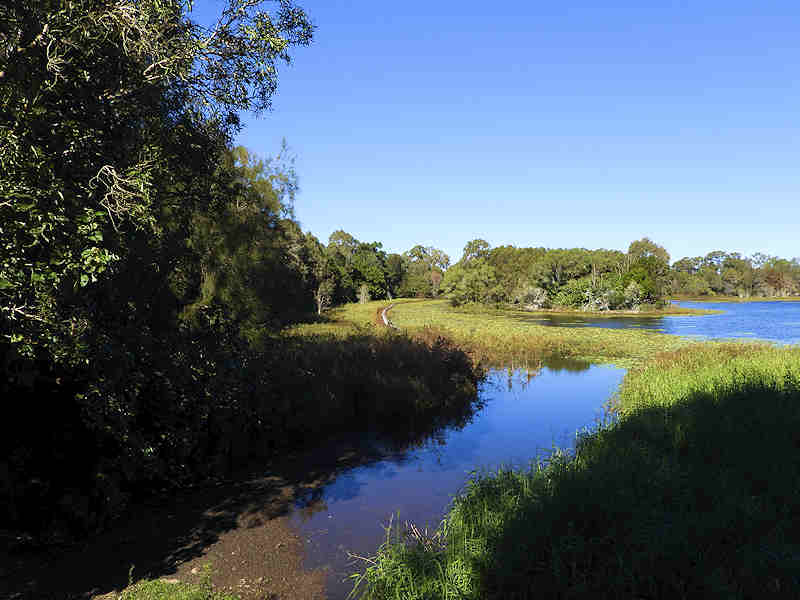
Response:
column 525, row 414
column 772, row 321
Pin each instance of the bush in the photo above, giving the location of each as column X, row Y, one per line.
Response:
column 573, row 294
column 187, row 408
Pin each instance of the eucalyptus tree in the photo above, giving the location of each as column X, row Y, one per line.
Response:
column 114, row 115
column 425, row 270
column 646, row 247
column 475, row 249
column 396, row 268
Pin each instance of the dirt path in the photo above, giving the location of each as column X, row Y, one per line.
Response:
column 385, row 316
column 241, row 528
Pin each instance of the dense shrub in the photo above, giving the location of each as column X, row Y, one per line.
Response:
column 191, row 406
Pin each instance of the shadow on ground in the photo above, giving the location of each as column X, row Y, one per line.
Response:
column 240, row 526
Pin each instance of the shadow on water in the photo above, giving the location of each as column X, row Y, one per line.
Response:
column 160, row 535
column 337, row 497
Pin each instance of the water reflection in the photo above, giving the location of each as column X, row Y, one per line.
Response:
column 525, row 412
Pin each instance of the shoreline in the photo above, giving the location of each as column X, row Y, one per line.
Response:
column 711, row 299
column 673, row 311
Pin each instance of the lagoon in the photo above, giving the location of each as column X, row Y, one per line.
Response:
column 525, row 413
column 771, row 321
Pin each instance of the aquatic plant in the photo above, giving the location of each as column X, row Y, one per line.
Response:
column 505, row 337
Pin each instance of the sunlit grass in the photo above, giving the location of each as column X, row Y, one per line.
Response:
column 499, row 337
column 344, row 320
column 714, row 370
column 665, row 311
column 172, row 589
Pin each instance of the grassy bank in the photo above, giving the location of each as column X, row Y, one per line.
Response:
column 505, row 337
column 692, row 493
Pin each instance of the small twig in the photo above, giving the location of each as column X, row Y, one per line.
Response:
column 364, row 558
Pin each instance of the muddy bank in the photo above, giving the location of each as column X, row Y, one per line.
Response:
column 240, row 527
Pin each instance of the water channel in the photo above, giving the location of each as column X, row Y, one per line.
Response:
column 525, row 414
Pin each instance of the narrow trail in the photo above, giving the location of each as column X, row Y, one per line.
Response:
column 385, row 316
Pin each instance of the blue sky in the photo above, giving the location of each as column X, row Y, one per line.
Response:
column 583, row 124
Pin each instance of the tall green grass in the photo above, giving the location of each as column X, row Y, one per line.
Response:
column 693, row 492
column 501, row 338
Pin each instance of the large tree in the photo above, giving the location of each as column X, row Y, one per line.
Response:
column 120, row 205
column 106, row 106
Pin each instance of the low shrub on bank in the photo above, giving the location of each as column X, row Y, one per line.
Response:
column 181, row 410
column 692, row 493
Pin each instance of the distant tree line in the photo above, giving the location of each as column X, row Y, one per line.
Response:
column 347, row 270
column 535, row 278
column 731, row 274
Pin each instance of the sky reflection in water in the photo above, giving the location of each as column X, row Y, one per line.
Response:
column 525, row 414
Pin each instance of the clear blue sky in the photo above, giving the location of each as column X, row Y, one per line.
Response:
column 585, row 124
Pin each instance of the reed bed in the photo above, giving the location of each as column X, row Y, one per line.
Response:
column 692, row 492
column 669, row 310
column 500, row 338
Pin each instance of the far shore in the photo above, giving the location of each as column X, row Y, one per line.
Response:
column 666, row 311
column 734, row 299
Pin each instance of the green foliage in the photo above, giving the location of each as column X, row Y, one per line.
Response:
column 164, row 589
column 569, row 277
column 103, row 107
column 475, row 250
column 574, row 293
column 649, row 274
column 422, row 272
column 353, row 263
column 250, row 254
column 731, row 274
column 646, row 248
column 477, row 283
column 140, row 256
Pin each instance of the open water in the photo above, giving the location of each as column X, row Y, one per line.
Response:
column 776, row 321
column 525, row 415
